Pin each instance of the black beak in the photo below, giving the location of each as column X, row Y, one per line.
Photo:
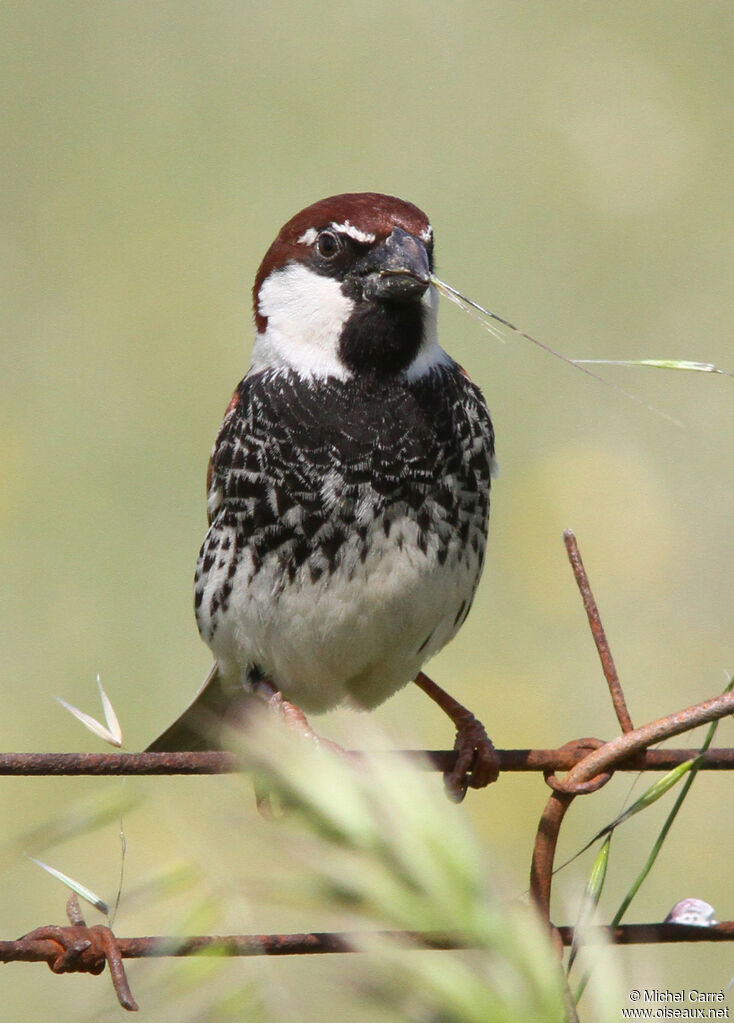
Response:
column 395, row 271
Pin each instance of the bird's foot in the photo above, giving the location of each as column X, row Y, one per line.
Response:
column 295, row 719
column 477, row 763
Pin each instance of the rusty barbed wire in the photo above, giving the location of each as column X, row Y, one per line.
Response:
column 590, row 763
column 75, row 948
column 80, row 949
column 33, row 948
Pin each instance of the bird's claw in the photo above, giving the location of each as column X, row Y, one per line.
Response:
column 477, row 763
column 294, row 717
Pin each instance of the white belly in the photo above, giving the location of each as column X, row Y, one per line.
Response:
column 355, row 635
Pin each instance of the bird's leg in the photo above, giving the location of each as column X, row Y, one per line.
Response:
column 476, row 763
column 293, row 716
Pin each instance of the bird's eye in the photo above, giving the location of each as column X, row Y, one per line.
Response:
column 328, row 244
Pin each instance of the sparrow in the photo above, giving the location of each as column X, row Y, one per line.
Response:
column 348, row 486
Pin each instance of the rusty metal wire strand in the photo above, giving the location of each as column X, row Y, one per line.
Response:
column 33, row 949
column 597, row 631
column 593, row 769
column 563, row 759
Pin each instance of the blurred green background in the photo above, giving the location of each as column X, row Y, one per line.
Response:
column 577, row 162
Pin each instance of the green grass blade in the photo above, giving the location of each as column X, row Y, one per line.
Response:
column 81, row 890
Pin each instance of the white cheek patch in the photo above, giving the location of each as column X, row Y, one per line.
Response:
column 426, row 235
column 305, row 315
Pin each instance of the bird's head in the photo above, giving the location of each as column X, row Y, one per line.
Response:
column 345, row 289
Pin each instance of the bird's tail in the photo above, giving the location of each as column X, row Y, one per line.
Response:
column 199, row 727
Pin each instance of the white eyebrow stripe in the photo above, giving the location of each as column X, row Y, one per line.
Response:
column 308, row 237
column 354, row 232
